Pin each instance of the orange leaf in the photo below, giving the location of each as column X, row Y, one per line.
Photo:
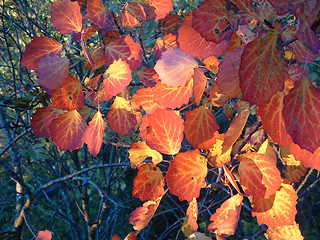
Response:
column 301, row 113
column 117, row 77
column 259, row 176
column 144, row 98
column 177, row 95
column 301, row 155
column 94, row 133
column 135, row 58
column 316, row 159
column 69, row 96
column 279, row 209
column 199, row 84
column 53, row 72
column 227, row 77
column 115, row 237
column 132, row 14
column 214, row 153
column 268, row 150
column 226, row 218
column 186, row 175
column 289, row 232
column 50, row 114
column 163, row 131
column 192, row 213
column 44, row 235
column 40, row 47
column 262, row 69
column 212, row 63
column 167, row 42
column 141, row 216
column 37, row 124
column 149, row 183
column 235, row 130
column 66, row 16
column 67, row 130
column 121, row 118
column 175, row 68
column 191, row 41
column 131, row 236
column 140, row 151
column 273, row 121
column 162, row 7
column 200, row 127
column 215, row 20
column 98, row 15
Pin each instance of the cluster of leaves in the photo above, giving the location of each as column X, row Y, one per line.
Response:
column 241, row 56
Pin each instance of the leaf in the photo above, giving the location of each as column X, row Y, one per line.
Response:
column 278, row 210
column 191, row 41
column 69, row 96
column 37, row 124
column 98, row 15
column 200, row 127
column 163, row 131
column 139, row 151
column 131, row 236
column 149, row 183
column 44, row 235
column 215, row 20
column 135, row 58
column 192, row 213
column 262, row 69
column 148, row 76
column 53, row 72
column 245, row 6
column 301, row 155
column 177, row 95
column 214, row 154
column 212, row 63
column 141, row 216
column 170, row 23
column 199, row 84
column 259, row 176
column 286, row 6
column 67, row 130
column 132, row 14
column 94, row 134
column 97, row 56
column 144, row 98
column 227, row 77
column 268, row 150
column 301, row 113
column 162, row 7
column 167, row 42
column 116, row 49
column 66, row 16
column 273, row 120
column 121, row 118
column 316, row 159
column 226, row 218
column 50, row 114
column 40, row 47
column 117, row 77
column 235, row 129
column 288, row 232
column 186, row 175
column 175, row 68
column 198, row 236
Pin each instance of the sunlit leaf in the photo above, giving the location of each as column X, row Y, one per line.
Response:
column 66, row 16
column 186, row 175
column 144, row 98
column 162, row 7
column 149, row 183
column 44, row 235
column 167, row 42
column 288, row 232
column 199, row 84
column 214, row 154
column 163, row 131
column 212, row 63
column 192, row 213
column 40, row 47
column 135, row 58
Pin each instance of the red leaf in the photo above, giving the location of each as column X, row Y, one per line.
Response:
column 278, row 210
column 301, row 113
column 121, row 118
column 199, row 84
column 98, row 15
column 170, row 23
column 175, row 68
column 262, row 70
column 162, row 7
column 94, row 134
column 259, row 176
column 135, row 58
column 132, row 14
column 245, row 6
column 37, row 124
column 200, row 127
column 50, row 114
column 67, row 130
column 117, row 77
column 226, row 218
column 273, row 121
column 53, row 72
column 144, row 98
column 40, row 47
column 186, row 175
column 66, row 16
column 227, row 77
column 286, row 6
column 163, row 131
column 149, row 183
column 44, row 235
column 148, row 76
column 215, row 20
column 177, row 95
column 142, row 215
column 140, row 151
column 69, row 96
column 191, row 41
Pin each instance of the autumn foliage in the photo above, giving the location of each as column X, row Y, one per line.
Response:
column 215, row 90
